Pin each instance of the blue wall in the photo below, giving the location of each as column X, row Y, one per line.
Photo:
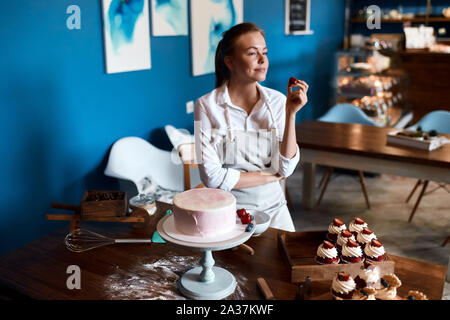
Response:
column 60, row 112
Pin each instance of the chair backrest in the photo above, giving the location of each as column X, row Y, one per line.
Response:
column 438, row 120
column 347, row 113
column 178, row 136
column 133, row 158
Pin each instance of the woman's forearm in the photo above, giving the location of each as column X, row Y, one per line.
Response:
column 256, row 178
column 288, row 146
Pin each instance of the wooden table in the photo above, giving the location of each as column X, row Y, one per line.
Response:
column 149, row 271
column 360, row 147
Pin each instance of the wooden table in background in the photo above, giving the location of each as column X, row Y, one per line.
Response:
column 360, row 147
column 38, row 270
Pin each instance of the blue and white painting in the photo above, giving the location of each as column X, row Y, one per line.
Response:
column 169, row 18
column 209, row 19
column 126, row 35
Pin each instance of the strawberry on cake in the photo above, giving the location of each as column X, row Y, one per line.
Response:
column 365, row 236
column 351, row 252
column 374, row 251
column 335, row 228
column 343, row 286
column 356, row 226
column 342, row 239
column 368, row 276
column 327, row 253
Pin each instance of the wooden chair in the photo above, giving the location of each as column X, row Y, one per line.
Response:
column 345, row 113
column 438, row 120
column 326, row 178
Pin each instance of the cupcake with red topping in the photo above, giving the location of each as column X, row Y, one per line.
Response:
column 352, row 252
column 327, row 253
column 374, row 251
column 342, row 239
column 357, row 226
column 335, row 228
column 368, row 276
column 365, row 236
column 343, row 286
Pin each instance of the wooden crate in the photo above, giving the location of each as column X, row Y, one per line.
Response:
column 299, row 251
column 97, row 203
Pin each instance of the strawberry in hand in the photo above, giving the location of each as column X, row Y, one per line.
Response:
column 296, row 99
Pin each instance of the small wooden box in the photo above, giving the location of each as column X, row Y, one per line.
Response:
column 299, row 251
column 104, row 204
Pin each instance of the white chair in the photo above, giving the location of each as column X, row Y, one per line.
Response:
column 135, row 160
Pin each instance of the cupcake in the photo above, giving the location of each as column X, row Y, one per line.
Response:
column 374, row 251
column 335, row 228
column 351, row 252
column 389, row 285
column 416, row 295
column 365, row 236
column 356, row 226
column 368, row 276
column 343, row 286
column 342, row 239
column 327, row 253
column 364, row 294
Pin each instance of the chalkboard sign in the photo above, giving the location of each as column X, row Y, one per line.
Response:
column 297, row 17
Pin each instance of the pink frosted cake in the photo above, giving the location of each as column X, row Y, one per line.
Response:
column 204, row 212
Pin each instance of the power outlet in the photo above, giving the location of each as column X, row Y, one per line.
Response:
column 189, row 107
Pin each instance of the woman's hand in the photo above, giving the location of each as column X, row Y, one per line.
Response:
column 296, row 99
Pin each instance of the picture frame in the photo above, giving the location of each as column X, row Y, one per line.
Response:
column 298, row 17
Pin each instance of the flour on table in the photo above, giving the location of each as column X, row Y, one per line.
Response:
column 157, row 280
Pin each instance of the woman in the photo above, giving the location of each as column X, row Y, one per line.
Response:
column 245, row 133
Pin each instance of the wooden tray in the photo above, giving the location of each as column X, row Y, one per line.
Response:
column 299, row 251
column 104, row 204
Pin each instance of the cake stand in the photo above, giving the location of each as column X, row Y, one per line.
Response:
column 206, row 282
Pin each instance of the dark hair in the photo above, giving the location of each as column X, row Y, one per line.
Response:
column 226, row 47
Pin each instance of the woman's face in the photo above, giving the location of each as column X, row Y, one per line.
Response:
column 248, row 61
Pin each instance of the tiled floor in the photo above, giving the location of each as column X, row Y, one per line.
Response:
column 388, row 217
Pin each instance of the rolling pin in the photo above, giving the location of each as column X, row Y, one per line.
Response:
column 265, row 290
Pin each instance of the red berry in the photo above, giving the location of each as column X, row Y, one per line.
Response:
column 342, row 276
column 359, row 221
column 337, row 222
column 241, row 212
column 352, row 244
column 246, row 219
column 328, row 245
column 292, row 80
column 376, row 243
column 346, row 234
column 367, row 231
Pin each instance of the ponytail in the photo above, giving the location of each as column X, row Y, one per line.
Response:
column 226, row 46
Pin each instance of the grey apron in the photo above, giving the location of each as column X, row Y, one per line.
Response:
column 249, row 151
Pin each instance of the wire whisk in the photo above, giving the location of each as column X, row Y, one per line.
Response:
column 84, row 240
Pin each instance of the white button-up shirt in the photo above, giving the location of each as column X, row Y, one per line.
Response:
column 210, row 116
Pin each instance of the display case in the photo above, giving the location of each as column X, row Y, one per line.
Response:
column 365, row 78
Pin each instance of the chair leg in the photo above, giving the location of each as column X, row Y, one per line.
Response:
column 425, row 184
column 324, row 176
column 413, row 190
column 446, row 241
column 327, row 179
column 364, row 189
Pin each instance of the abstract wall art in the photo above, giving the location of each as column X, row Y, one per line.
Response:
column 169, row 18
column 209, row 19
column 126, row 35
